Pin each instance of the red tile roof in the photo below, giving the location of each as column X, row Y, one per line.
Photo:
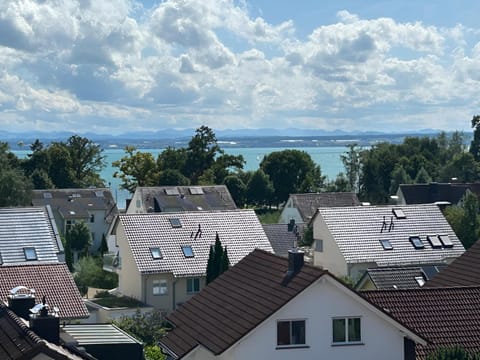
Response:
column 52, row 280
column 463, row 271
column 444, row 316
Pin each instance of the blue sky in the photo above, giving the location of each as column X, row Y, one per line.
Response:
column 115, row 66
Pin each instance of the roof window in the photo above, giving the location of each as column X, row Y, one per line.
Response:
column 386, row 244
column 416, row 242
column 434, row 241
column 47, row 195
column 99, row 193
column 187, row 251
column 172, row 191
column 196, row 191
column 175, row 222
column 420, row 280
column 399, row 214
column 445, row 239
column 156, row 253
column 30, row 253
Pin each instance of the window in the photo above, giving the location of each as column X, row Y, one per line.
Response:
column 291, row 332
column 99, row 194
column 47, row 195
column 160, row 287
column 346, row 330
column 30, row 253
column 416, row 242
column 386, row 244
column 434, row 241
column 399, row 214
column 175, row 222
column 193, row 285
column 420, row 280
column 196, row 191
column 172, row 191
column 187, row 251
column 319, row 245
column 156, row 253
column 445, row 239
column 92, row 218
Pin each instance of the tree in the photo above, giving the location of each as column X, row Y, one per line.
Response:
column 462, row 167
column 172, row 177
column 475, row 143
column 291, row 171
column 218, row 261
column 237, row 189
column 79, row 238
column 15, row 188
column 452, row 353
column 103, row 248
column 464, row 219
column 60, row 169
column 259, row 189
column 422, row 177
column 352, row 162
column 89, row 273
column 340, row 184
column 136, row 169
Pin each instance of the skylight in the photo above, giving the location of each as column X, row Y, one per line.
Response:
column 47, row 195
column 416, row 242
column 420, row 280
column 30, row 253
column 445, row 239
column 172, row 191
column 399, row 214
column 99, row 193
column 187, row 251
column 196, row 191
column 386, row 244
column 434, row 241
column 175, row 222
column 156, row 253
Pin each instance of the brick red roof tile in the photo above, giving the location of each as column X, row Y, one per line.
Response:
column 52, row 280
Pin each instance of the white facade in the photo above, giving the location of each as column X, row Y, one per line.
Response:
column 290, row 212
column 381, row 336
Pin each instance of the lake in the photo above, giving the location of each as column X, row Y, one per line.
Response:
column 328, row 157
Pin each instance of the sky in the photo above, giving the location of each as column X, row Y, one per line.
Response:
column 118, row 66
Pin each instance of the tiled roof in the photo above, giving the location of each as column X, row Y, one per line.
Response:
column 17, row 341
column 186, row 198
column 52, row 280
column 463, row 271
column 357, row 231
column 235, row 303
column 435, row 192
column 75, row 203
column 400, row 277
column 307, row 204
column 29, row 227
column 280, row 238
column 444, row 316
column 238, row 230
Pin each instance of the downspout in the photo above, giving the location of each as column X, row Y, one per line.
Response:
column 144, row 291
column 174, row 282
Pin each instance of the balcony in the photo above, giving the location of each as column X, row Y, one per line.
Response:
column 112, row 262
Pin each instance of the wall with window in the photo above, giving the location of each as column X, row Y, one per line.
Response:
column 98, row 226
column 322, row 322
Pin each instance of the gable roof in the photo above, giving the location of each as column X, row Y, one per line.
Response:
column 307, row 204
column 444, row 316
column 52, row 280
column 399, row 277
column 432, row 192
column 357, row 231
column 19, row 342
column 76, row 203
column 186, row 198
column 463, row 271
column 239, row 230
column 280, row 238
column 28, row 227
column 238, row 301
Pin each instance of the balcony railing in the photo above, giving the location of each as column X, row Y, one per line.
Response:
column 112, row 262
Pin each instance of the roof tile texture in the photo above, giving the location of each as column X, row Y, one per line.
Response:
column 307, row 204
column 280, row 238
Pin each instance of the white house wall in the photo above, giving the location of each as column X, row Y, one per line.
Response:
column 129, row 283
column 136, row 204
column 289, row 212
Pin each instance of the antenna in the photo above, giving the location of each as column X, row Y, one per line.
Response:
column 392, row 225
column 384, row 225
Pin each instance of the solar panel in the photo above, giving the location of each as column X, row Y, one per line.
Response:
column 399, row 214
column 434, row 241
column 416, row 242
column 187, row 251
column 196, row 191
column 386, row 244
column 172, row 191
column 175, row 222
column 445, row 239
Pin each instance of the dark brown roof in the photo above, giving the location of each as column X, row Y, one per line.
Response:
column 444, row 316
column 307, row 204
column 435, row 192
column 280, row 238
column 52, row 280
column 235, row 303
column 463, row 271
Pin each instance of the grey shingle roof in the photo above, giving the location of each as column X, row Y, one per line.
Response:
column 30, row 227
column 307, row 204
column 238, row 230
column 280, row 238
column 357, row 231
column 186, row 198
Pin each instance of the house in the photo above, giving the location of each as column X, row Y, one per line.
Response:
column 440, row 193
column 162, row 257
column 302, row 207
column 282, row 237
column 180, row 198
column 446, row 317
column 349, row 240
column 271, row 307
column 397, row 277
column 94, row 206
column 54, row 281
column 29, row 235
column 463, row 271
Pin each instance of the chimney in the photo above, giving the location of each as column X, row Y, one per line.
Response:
column 45, row 323
column 20, row 302
column 295, row 261
column 291, row 225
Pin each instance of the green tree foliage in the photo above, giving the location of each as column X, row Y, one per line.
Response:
column 352, row 163
column 464, row 219
column 89, row 273
column 172, row 177
column 237, row 189
column 475, row 144
column 148, row 327
column 399, row 176
column 218, row 261
column 15, row 187
column 340, row 184
column 453, row 353
column 103, row 248
column 291, row 171
column 79, row 237
column 422, row 177
column 259, row 189
column 461, row 167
